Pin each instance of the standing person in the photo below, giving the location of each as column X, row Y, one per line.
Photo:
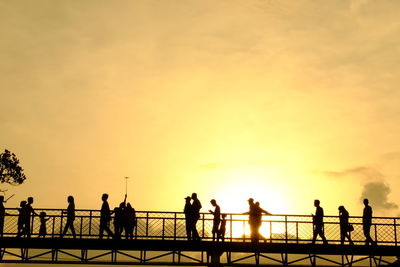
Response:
column 188, row 217
column 105, row 217
column 70, row 217
column 29, row 211
column 252, row 220
column 258, row 211
column 119, row 220
column 318, row 223
column 216, row 220
column 344, row 225
column 2, row 215
column 196, row 206
column 367, row 222
column 43, row 220
column 130, row 214
column 255, row 215
column 222, row 229
column 21, row 219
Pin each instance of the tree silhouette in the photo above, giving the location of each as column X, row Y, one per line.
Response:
column 10, row 171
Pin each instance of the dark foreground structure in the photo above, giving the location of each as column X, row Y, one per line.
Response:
column 160, row 239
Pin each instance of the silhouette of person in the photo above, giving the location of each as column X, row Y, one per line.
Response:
column 216, row 220
column 43, row 220
column 318, row 223
column 222, row 229
column 367, row 222
column 70, row 217
column 344, row 225
column 255, row 215
column 119, row 220
column 188, row 217
column 196, row 206
column 21, row 219
column 2, row 215
column 130, row 214
column 258, row 211
column 29, row 212
column 105, row 217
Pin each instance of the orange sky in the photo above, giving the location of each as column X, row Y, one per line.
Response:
column 283, row 101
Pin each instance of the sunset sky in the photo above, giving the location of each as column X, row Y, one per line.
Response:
column 282, row 101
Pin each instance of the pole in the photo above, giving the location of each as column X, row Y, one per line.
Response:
column 126, row 185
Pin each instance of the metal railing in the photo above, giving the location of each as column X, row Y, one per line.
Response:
column 171, row 226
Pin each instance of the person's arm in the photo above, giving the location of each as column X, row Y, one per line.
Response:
column 125, row 199
column 266, row 212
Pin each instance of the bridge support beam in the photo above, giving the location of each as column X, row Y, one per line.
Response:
column 215, row 260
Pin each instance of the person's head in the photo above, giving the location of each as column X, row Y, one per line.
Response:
column 30, row 200
column 104, row 197
column 122, row 205
column 42, row 214
column 366, row 202
column 250, row 200
column 194, row 196
column 22, row 203
column 257, row 204
column 341, row 208
column 1, row 199
column 70, row 199
column 128, row 205
column 316, row 203
column 187, row 199
column 213, row 202
column 223, row 216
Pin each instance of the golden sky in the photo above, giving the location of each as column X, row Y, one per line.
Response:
column 283, row 101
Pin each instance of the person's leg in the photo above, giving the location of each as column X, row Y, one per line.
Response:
column 188, row 230
column 322, row 235
column 71, row 226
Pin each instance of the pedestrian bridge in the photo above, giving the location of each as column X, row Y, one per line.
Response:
column 160, row 239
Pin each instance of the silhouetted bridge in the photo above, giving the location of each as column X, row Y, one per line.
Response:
column 160, row 239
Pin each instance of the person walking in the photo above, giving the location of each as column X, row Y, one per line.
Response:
column 344, row 225
column 196, row 206
column 105, row 217
column 318, row 223
column 367, row 222
column 70, row 217
column 216, row 220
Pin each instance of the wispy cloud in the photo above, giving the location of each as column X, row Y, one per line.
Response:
column 356, row 172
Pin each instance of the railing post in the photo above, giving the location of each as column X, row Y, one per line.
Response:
column 286, row 228
column 81, row 228
column 297, row 232
column 147, row 224
column 230, row 227
column 202, row 235
column 244, row 231
column 53, row 226
column 395, row 232
column 163, row 228
column 174, row 227
column 90, row 223
column 270, row 232
column 61, row 222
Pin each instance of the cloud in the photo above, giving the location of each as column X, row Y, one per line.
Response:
column 363, row 172
column 377, row 193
